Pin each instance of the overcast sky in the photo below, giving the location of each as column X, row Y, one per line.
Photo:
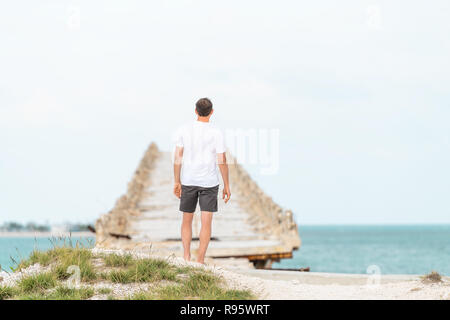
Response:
column 359, row 91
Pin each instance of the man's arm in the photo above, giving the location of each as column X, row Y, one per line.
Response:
column 223, row 166
column 177, row 171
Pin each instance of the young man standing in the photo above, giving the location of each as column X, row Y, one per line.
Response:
column 199, row 148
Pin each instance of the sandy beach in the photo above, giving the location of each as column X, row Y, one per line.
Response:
column 333, row 286
column 294, row 285
column 286, row 285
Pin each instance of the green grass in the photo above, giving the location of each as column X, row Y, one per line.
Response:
column 169, row 282
column 75, row 257
column 150, row 270
column 82, row 258
column 42, row 257
column 117, row 260
column 38, row 282
column 60, row 245
column 202, row 286
column 184, row 269
column 120, row 276
column 31, row 296
column 144, row 270
column 143, row 295
column 65, row 293
column 7, row 292
column 63, row 257
column 198, row 285
column 104, row 291
column 60, row 293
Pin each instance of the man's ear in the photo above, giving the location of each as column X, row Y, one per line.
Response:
column 212, row 111
column 196, row 111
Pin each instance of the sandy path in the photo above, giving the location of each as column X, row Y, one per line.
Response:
column 295, row 285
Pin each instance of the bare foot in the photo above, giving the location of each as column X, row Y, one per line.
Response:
column 187, row 258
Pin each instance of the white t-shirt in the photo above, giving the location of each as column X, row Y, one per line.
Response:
column 202, row 141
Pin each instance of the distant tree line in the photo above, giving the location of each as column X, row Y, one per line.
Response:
column 12, row 226
column 18, row 227
column 77, row 227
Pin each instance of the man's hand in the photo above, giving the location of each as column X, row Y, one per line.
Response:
column 223, row 166
column 226, row 195
column 177, row 171
column 177, row 190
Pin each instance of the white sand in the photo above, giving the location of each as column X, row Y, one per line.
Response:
column 300, row 289
column 9, row 279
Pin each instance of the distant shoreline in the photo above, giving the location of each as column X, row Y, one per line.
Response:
column 37, row 234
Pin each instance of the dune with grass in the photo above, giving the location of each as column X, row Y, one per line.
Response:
column 76, row 273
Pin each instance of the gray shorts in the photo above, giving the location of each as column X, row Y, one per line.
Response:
column 206, row 197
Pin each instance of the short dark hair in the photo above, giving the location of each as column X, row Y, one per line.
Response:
column 203, row 107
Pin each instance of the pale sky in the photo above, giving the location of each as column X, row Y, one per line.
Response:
column 359, row 91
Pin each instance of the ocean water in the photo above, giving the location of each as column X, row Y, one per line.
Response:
column 344, row 249
column 14, row 249
column 405, row 249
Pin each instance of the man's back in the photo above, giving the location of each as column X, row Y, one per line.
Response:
column 201, row 142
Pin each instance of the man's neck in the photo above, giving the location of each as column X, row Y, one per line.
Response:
column 203, row 119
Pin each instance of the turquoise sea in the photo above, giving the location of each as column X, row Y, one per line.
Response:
column 403, row 249
column 400, row 249
column 14, row 249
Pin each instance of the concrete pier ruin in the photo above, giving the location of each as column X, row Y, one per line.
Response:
column 251, row 226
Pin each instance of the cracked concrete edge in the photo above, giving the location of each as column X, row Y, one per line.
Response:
column 116, row 221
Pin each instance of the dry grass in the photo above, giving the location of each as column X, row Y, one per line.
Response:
column 432, row 277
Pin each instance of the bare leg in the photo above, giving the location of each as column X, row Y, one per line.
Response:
column 205, row 235
column 186, row 234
